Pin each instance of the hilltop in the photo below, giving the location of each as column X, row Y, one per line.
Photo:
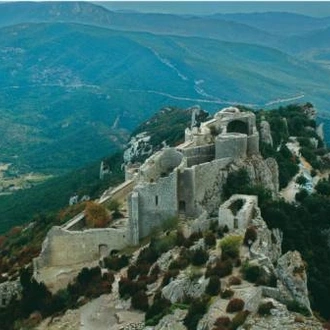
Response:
column 297, row 220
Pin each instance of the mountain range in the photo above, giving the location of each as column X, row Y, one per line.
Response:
column 76, row 78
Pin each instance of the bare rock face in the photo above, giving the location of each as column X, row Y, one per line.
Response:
column 172, row 321
column 268, row 243
column 262, row 172
column 184, row 286
column 280, row 319
column 265, row 133
column 292, row 277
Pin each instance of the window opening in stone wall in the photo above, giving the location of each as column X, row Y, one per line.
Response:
column 238, row 126
column 235, row 223
column 3, row 302
column 103, row 250
column 156, row 200
column 182, row 206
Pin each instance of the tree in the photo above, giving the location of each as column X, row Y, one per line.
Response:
column 301, row 180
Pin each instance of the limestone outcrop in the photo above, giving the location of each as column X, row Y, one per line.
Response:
column 292, row 277
column 183, row 286
column 265, row 132
column 281, row 319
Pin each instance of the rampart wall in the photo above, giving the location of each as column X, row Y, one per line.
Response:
column 63, row 247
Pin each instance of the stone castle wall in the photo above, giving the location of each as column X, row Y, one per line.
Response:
column 199, row 155
column 160, row 165
column 156, row 202
column 231, row 145
column 64, row 247
column 238, row 218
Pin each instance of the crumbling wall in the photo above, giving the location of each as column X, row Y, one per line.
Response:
column 235, row 217
column 151, row 204
column 160, row 164
column 62, row 247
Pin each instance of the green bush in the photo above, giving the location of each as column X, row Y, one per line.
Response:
column 170, row 223
column 230, row 246
column 197, row 309
column 250, row 272
column 214, row 286
column 199, row 257
column 157, row 310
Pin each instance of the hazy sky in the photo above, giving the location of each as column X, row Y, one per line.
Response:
column 311, row 8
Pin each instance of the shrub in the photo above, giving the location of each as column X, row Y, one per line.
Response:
column 170, row 223
column 195, row 236
column 132, row 272
column 238, row 320
column 264, row 308
column 234, row 280
column 126, row 287
column 235, row 305
column 170, row 274
column 147, row 255
column 140, row 301
column 223, row 321
column 175, row 264
column 301, row 195
column 230, row 247
column 199, row 257
column 196, row 311
column 210, row 239
column 116, row 262
column 227, row 293
column 221, row 269
column 180, row 240
column 250, row 236
column 214, row 285
column 157, row 310
column 251, row 273
column 155, row 270
column 96, row 215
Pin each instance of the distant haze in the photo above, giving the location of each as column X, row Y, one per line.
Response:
column 311, row 8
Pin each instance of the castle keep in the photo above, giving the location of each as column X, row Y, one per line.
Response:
column 185, row 181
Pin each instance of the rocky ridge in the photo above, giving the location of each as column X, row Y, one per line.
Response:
column 287, row 272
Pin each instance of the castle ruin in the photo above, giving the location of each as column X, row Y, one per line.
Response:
column 183, row 181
